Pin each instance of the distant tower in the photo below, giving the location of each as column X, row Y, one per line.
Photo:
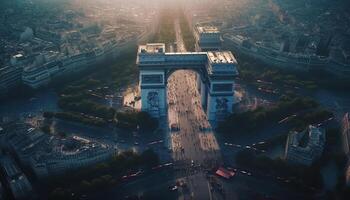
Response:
column 208, row 38
column 323, row 46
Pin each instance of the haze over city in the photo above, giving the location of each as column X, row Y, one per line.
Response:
column 165, row 99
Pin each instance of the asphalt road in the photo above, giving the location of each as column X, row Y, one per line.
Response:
column 192, row 148
column 190, row 143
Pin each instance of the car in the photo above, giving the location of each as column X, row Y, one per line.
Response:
column 232, row 169
column 173, row 188
column 157, row 167
column 168, row 164
column 30, row 129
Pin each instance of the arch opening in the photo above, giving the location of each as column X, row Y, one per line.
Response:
column 214, row 80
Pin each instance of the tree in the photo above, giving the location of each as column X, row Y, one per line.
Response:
column 59, row 193
column 146, row 122
column 46, row 128
column 149, row 158
column 48, row 115
column 245, row 157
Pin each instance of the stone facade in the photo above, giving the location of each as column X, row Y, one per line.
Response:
column 216, row 70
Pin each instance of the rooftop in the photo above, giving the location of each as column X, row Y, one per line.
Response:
column 346, row 120
column 11, row 170
column 207, row 29
column 311, row 136
column 152, row 48
column 221, row 57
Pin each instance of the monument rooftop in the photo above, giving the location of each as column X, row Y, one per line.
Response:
column 207, row 29
column 152, row 48
column 224, row 57
column 153, row 56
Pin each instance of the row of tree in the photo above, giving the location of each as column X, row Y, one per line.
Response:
column 127, row 120
column 101, row 176
column 75, row 117
column 187, row 32
column 82, row 105
column 306, row 177
column 307, row 111
column 302, row 177
column 166, row 30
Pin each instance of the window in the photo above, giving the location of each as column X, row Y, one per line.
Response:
column 158, row 78
column 226, row 87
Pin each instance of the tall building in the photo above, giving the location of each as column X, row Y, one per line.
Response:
column 36, row 77
column 208, row 38
column 17, row 182
column 305, row 147
column 346, row 134
column 10, row 77
column 75, row 153
column 47, row 155
column 346, row 143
